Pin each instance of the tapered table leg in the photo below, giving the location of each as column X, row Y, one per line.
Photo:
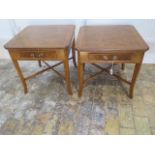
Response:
column 67, row 73
column 39, row 63
column 123, row 66
column 134, row 78
column 20, row 75
column 81, row 80
column 74, row 54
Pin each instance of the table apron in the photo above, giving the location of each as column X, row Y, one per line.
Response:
column 86, row 57
column 37, row 54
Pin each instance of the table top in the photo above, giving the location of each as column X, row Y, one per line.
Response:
column 49, row 36
column 110, row 38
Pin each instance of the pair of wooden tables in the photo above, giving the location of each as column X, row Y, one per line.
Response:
column 95, row 45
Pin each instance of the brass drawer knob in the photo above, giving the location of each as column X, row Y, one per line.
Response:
column 32, row 55
column 40, row 55
column 115, row 57
column 105, row 57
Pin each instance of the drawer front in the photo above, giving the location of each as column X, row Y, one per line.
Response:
column 109, row 57
column 37, row 55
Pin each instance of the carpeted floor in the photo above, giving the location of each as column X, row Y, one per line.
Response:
column 103, row 109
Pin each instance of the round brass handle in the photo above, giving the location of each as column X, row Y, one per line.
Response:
column 33, row 55
column 105, row 57
column 40, row 55
column 115, row 57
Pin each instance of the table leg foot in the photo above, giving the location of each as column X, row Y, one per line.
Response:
column 25, row 88
column 79, row 93
column 131, row 95
column 134, row 78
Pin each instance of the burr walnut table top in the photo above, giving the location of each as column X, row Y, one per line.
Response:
column 52, row 36
column 110, row 38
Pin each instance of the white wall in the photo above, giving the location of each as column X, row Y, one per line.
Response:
column 8, row 28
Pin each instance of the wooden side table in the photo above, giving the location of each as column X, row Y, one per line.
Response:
column 109, row 44
column 41, row 43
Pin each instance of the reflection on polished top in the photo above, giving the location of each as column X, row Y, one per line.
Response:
column 49, row 36
column 110, row 38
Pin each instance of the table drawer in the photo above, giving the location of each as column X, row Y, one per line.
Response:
column 109, row 57
column 37, row 55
